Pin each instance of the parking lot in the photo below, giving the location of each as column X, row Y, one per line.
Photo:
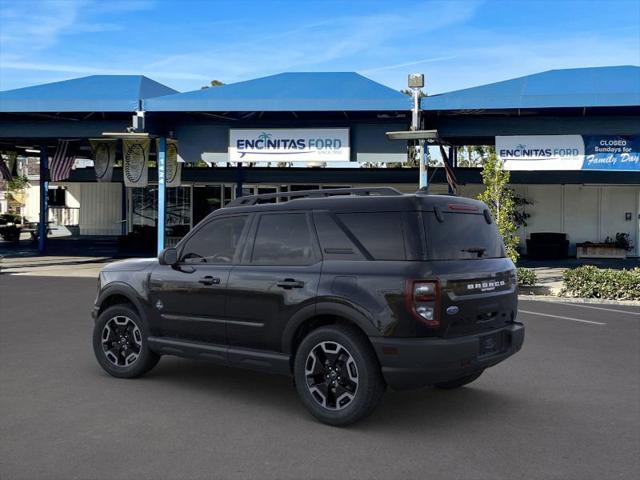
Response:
column 567, row 406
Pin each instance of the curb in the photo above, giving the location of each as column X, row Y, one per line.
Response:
column 538, row 290
column 598, row 301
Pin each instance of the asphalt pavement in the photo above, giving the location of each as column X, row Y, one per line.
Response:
column 566, row 407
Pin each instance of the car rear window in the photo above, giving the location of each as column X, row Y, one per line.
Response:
column 461, row 236
column 380, row 233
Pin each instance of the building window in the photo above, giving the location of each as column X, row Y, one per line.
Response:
column 144, row 211
column 57, row 197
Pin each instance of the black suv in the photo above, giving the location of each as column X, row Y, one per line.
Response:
column 346, row 290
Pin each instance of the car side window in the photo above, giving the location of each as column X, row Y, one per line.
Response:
column 283, row 239
column 215, row 243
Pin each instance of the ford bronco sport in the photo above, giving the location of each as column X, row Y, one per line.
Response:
column 347, row 290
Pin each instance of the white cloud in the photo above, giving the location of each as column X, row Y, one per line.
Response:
column 436, row 37
column 88, row 70
column 351, row 41
column 31, row 27
column 408, row 64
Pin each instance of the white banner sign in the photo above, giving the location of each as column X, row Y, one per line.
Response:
column 289, row 145
column 104, row 157
column 136, row 162
column 541, row 152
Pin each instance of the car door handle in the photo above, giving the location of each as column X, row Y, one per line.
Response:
column 290, row 283
column 209, row 280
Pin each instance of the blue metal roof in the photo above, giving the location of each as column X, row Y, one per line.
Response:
column 298, row 92
column 577, row 87
column 96, row 93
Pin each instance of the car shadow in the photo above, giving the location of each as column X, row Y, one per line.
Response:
column 413, row 409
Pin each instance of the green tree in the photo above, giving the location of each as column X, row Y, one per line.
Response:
column 213, row 83
column 15, row 194
column 474, row 155
column 500, row 199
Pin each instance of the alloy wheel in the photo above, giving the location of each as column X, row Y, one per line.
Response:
column 121, row 341
column 332, row 375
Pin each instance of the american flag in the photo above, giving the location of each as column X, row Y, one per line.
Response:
column 4, row 170
column 451, row 176
column 62, row 161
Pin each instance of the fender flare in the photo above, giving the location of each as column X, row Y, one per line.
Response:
column 349, row 313
column 119, row 288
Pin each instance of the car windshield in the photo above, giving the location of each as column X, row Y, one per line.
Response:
column 461, row 236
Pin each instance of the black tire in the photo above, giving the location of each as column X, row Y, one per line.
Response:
column 128, row 317
column 459, row 382
column 355, row 357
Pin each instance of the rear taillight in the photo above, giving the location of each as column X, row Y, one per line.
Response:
column 423, row 301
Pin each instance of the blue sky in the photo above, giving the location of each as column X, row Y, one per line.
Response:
column 184, row 44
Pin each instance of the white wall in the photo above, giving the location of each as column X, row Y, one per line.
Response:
column 614, row 203
column 100, row 208
column 583, row 212
column 31, row 208
column 73, row 195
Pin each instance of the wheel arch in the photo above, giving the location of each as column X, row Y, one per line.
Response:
column 119, row 294
column 309, row 319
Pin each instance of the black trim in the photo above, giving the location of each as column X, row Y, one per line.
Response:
column 252, row 359
column 193, row 318
column 417, row 362
column 182, row 348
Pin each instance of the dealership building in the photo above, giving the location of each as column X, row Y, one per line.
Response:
column 571, row 139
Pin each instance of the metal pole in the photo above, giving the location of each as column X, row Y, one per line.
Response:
column 44, row 199
column 452, row 163
column 420, row 147
column 162, row 149
column 415, row 92
column 239, row 179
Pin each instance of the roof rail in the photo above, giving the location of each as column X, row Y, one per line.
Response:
column 254, row 199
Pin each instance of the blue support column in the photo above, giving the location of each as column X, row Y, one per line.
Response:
column 123, row 209
column 44, row 200
column 162, row 151
column 424, row 178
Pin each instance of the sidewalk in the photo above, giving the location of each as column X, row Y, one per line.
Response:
column 549, row 272
column 549, row 281
column 54, row 266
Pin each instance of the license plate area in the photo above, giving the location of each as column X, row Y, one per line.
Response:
column 492, row 344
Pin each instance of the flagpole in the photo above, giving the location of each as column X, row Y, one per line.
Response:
column 416, row 82
column 44, row 199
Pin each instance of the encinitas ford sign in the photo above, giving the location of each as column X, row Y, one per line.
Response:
column 569, row 152
column 289, row 145
column 541, row 152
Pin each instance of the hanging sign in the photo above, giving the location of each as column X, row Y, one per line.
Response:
column 104, row 157
column 173, row 166
column 611, row 152
column 541, row 152
column 569, row 152
column 289, row 145
column 135, row 153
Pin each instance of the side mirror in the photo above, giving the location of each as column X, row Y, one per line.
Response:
column 168, row 256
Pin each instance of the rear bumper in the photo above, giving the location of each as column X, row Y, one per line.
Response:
column 417, row 362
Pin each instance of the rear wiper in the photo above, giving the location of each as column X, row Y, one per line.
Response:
column 479, row 250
